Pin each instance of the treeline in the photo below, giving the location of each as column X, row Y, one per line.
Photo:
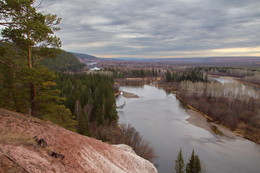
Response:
column 232, row 104
column 90, row 97
column 144, row 73
column 229, row 71
column 255, row 79
column 228, row 104
column 28, row 87
column 134, row 73
column 63, row 62
column 187, row 75
column 15, row 80
column 246, row 74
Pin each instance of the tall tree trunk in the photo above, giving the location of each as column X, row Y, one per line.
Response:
column 31, row 85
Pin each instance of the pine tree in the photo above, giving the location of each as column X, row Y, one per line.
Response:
column 179, row 163
column 32, row 31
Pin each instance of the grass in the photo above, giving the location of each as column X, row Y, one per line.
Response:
column 7, row 137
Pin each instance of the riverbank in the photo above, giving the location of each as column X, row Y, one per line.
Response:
column 242, row 130
column 240, row 80
column 202, row 122
column 157, row 113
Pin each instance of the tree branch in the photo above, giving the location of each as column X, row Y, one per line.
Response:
column 37, row 60
column 39, row 4
column 8, row 23
column 9, row 65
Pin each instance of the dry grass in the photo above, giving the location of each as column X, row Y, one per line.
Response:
column 8, row 166
column 7, row 137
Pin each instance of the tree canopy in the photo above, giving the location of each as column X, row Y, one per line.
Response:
column 33, row 33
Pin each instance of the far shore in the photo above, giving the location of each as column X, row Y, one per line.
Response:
column 200, row 121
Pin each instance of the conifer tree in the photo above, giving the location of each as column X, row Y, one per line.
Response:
column 194, row 164
column 32, row 31
column 179, row 163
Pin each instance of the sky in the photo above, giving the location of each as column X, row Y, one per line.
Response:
column 158, row 28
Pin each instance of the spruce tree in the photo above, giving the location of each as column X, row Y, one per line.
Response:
column 194, row 164
column 179, row 163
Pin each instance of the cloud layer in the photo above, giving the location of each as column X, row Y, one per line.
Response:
column 158, row 28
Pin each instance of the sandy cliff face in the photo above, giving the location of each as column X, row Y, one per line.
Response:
column 81, row 153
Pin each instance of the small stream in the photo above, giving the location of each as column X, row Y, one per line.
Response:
column 161, row 119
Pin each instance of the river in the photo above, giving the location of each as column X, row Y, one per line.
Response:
column 161, row 119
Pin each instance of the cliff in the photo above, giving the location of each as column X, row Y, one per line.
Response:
column 31, row 145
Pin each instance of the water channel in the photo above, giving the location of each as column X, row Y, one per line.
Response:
column 161, row 119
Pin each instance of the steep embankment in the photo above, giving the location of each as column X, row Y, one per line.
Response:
column 19, row 151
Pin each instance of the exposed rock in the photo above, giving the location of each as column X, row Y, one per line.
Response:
column 81, row 153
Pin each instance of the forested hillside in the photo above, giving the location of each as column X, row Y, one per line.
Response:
column 33, row 82
column 85, row 58
column 59, row 61
column 63, row 62
column 90, row 97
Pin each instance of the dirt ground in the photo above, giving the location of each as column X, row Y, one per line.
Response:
column 81, row 154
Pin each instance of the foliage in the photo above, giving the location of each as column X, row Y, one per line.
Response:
column 179, row 163
column 124, row 134
column 15, row 77
column 193, row 166
column 33, row 32
column 188, row 75
column 255, row 79
column 229, row 71
column 144, row 73
column 90, row 97
column 26, row 26
column 63, row 62
column 134, row 73
column 236, row 104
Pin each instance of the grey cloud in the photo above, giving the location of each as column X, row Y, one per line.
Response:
column 151, row 26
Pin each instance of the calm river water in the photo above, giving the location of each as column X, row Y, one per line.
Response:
column 161, row 119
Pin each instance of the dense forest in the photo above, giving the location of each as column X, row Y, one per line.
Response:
column 187, row 75
column 63, row 62
column 245, row 74
column 133, row 73
column 236, row 105
column 227, row 103
column 90, row 97
column 39, row 79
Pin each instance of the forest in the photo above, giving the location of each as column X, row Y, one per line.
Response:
column 39, row 79
column 89, row 97
column 246, row 74
column 235, row 105
column 133, row 73
column 186, row 75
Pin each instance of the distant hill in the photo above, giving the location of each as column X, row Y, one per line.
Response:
column 63, row 62
column 218, row 61
column 85, row 58
column 92, row 60
column 221, row 61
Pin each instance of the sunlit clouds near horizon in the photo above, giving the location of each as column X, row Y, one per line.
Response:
column 158, row 28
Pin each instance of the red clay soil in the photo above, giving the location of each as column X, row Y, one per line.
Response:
column 82, row 154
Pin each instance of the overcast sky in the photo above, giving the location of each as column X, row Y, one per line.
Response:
column 158, row 28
